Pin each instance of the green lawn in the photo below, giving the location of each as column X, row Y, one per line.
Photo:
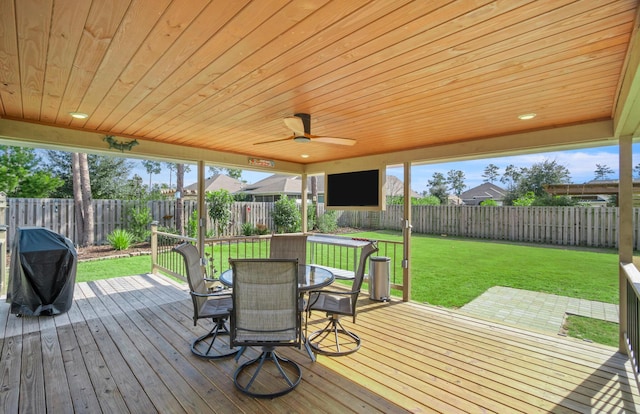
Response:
column 451, row 272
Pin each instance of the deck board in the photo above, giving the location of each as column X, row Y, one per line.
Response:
column 124, row 347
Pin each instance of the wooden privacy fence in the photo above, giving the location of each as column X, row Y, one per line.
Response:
column 570, row 226
column 58, row 215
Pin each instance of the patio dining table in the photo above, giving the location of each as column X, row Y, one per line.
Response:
column 310, row 277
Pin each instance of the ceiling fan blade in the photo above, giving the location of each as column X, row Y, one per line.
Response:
column 295, row 124
column 333, row 140
column 275, row 140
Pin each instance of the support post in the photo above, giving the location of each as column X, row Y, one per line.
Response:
column 406, row 235
column 625, row 226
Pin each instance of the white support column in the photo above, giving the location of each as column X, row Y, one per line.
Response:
column 303, row 199
column 625, row 226
column 406, row 232
column 202, row 214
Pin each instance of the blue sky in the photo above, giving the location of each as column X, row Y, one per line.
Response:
column 580, row 163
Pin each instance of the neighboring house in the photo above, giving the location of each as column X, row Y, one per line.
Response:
column 485, row 191
column 270, row 189
column 214, row 183
column 395, row 187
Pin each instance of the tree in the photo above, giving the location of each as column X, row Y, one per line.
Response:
column 490, row 174
column 455, row 179
column 511, row 176
column 636, row 171
column 438, row 187
column 22, row 174
column 534, row 178
column 152, row 167
column 220, row 203
column 602, row 172
column 229, row 172
column 107, row 175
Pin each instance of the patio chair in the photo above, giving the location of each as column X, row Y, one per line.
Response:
column 267, row 313
column 206, row 304
column 334, row 339
column 289, row 246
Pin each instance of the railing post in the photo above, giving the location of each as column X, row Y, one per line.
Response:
column 154, row 246
column 3, row 260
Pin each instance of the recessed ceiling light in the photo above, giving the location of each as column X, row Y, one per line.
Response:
column 305, row 155
column 524, row 117
column 79, row 115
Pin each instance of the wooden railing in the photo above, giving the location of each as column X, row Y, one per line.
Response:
column 632, row 329
column 218, row 251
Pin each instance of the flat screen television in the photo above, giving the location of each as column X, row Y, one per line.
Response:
column 355, row 190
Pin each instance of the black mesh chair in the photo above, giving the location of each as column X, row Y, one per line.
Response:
column 267, row 313
column 289, row 246
column 215, row 306
column 334, row 339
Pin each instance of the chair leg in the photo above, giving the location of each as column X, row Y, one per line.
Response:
column 199, row 345
column 278, row 383
column 334, row 339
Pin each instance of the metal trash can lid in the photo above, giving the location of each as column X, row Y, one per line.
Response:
column 380, row 259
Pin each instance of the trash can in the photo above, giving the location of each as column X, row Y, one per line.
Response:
column 42, row 272
column 379, row 270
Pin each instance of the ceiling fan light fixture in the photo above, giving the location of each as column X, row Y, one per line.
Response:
column 301, row 138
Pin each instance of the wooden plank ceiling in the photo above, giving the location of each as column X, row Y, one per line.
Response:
column 394, row 75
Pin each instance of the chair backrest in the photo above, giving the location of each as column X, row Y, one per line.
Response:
column 265, row 302
column 289, row 246
column 195, row 274
column 366, row 251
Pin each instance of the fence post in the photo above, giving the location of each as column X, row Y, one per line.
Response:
column 154, row 246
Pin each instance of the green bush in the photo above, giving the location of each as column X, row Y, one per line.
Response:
column 139, row 222
column 247, row 229
column 328, row 222
column 220, row 203
column 489, row 203
column 120, row 239
column 286, row 215
column 192, row 224
column 261, row 229
column 166, row 240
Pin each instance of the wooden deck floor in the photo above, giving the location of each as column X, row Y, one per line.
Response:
column 124, row 347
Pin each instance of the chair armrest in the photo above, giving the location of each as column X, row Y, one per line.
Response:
column 213, row 294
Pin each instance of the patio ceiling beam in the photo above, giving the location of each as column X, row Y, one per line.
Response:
column 593, row 134
column 626, row 114
column 50, row 137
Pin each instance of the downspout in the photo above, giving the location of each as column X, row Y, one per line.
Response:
column 303, row 198
column 202, row 215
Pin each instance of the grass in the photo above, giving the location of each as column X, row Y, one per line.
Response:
column 451, row 272
column 590, row 329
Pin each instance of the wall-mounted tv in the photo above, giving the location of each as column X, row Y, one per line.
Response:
column 355, row 190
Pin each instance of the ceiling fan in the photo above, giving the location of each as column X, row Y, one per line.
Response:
column 300, row 124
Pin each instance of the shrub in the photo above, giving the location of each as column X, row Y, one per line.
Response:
column 139, row 220
column 490, row 203
column 192, row 224
column 261, row 229
column 286, row 215
column 220, row 202
column 166, row 240
column 120, row 239
column 247, row 229
column 328, row 222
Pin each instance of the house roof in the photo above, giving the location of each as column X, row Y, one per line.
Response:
column 282, row 184
column 485, row 191
column 420, row 81
column 218, row 182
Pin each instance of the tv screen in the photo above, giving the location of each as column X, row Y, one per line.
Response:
column 357, row 190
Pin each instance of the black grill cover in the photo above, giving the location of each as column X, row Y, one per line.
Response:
column 42, row 274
